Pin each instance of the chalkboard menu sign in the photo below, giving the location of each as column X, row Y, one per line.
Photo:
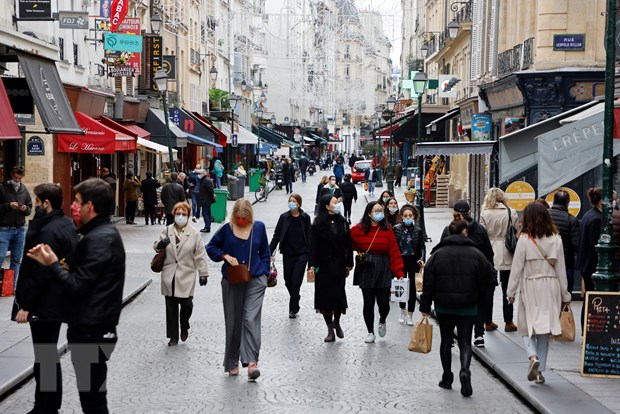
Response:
column 601, row 342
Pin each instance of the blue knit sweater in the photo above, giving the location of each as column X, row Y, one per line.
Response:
column 225, row 242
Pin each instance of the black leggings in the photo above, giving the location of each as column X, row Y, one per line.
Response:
column 464, row 326
column 347, row 208
column 382, row 297
column 327, row 315
column 508, row 309
column 411, row 267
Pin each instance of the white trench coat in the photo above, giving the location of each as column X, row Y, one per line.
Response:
column 541, row 286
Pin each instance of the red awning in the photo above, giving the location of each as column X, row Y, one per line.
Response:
column 141, row 133
column 8, row 126
column 221, row 136
column 98, row 138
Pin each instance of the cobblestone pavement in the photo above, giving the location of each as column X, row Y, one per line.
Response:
column 300, row 373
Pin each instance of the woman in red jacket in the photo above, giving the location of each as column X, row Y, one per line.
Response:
column 379, row 259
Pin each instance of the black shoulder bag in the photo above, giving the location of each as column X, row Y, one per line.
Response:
column 510, row 241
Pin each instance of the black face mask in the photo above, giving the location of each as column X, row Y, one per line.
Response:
column 39, row 212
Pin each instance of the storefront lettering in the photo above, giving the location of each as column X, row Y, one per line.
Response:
column 76, row 146
column 89, row 131
column 570, row 140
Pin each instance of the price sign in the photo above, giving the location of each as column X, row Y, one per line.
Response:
column 600, row 355
column 520, row 195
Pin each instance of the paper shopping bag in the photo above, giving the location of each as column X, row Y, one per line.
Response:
column 399, row 292
column 419, row 278
column 567, row 321
column 7, row 282
column 421, row 337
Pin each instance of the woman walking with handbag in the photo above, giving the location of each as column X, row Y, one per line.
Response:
column 243, row 246
column 329, row 264
column 497, row 217
column 410, row 240
column 538, row 273
column 185, row 257
column 377, row 262
column 454, row 277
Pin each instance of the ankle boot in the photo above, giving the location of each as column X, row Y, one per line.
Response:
column 330, row 333
column 338, row 329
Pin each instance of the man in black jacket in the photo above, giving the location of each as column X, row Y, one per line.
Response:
column 149, row 188
column 93, row 284
column 39, row 297
column 171, row 193
column 568, row 226
column 478, row 234
column 349, row 193
column 15, row 206
column 206, row 197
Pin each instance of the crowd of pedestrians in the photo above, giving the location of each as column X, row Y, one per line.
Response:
column 84, row 267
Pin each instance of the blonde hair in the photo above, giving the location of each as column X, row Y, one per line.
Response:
column 324, row 179
column 243, row 206
column 494, row 197
column 182, row 205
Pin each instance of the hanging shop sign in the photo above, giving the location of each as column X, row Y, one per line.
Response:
column 120, row 71
column 122, row 42
column 569, row 42
column 73, row 20
column 130, row 25
column 35, row 146
column 169, row 65
column 118, row 13
column 481, row 127
column 520, row 195
column 574, row 206
column 35, row 9
column 104, row 8
column 152, row 61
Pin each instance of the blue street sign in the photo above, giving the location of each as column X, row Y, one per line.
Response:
column 122, row 42
column 234, row 140
column 569, row 42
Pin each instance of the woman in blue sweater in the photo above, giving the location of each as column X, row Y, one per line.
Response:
column 242, row 241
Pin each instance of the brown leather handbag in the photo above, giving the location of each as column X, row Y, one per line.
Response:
column 157, row 263
column 241, row 273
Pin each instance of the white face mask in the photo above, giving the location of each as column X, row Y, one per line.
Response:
column 393, row 210
column 333, row 182
column 180, row 220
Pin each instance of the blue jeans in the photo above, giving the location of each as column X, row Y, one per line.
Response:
column 218, row 181
column 12, row 239
column 195, row 205
column 206, row 215
column 371, row 187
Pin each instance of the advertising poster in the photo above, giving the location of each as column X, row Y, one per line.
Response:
column 104, row 8
column 481, row 127
column 511, row 124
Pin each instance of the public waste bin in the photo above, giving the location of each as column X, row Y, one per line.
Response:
column 240, row 187
column 255, row 175
column 232, row 187
column 218, row 209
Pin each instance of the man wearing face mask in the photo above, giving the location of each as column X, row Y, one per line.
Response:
column 331, row 188
column 15, row 206
column 92, row 281
column 292, row 233
column 39, row 298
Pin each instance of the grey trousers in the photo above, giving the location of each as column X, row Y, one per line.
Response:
column 243, row 304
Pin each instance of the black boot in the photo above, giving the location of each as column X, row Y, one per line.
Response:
column 446, row 381
column 338, row 329
column 330, row 333
column 465, row 377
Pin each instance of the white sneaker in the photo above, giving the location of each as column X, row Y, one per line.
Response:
column 370, row 338
column 403, row 314
column 382, row 330
column 410, row 320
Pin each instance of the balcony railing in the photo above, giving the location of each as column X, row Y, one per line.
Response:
column 510, row 61
column 528, row 53
column 465, row 13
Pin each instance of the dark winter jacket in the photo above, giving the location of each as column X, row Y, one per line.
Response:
column 371, row 178
column 410, row 241
column 279, row 234
column 568, row 226
column 149, row 188
column 327, row 189
column 206, row 195
column 96, row 275
column 171, row 194
column 349, row 192
column 589, row 233
column 37, row 290
column 10, row 217
column 303, row 164
column 476, row 233
column 338, row 170
column 455, row 274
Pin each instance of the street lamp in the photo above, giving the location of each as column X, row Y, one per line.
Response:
column 213, row 73
column 606, row 277
column 379, row 183
column 156, row 23
column 391, row 103
column 233, row 99
column 161, row 80
column 453, row 29
column 419, row 87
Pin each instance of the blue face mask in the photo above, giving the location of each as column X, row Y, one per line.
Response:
column 377, row 217
column 408, row 222
column 338, row 208
column 292, row 206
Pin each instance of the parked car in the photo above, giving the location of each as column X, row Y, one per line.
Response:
column 358, row 170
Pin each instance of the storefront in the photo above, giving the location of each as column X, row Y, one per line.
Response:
column 155, row 124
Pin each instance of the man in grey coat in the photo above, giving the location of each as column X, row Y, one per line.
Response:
column 171, row 193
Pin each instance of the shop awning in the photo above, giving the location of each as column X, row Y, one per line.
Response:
column 97, row 138
column 8, row 126
column 450, row 114
column 156, row 124
column 154, row 147
column 196, row 140
column 309, row 140
column 243, row 135
column 267, row 134
column 384, row 132
column 190, row 125
column 221, row 138
column 518, row 151
column 408, row 132
column 49, row 95
column 141, row 133
column 287, row 143
column 125, row 139
column 455, row 148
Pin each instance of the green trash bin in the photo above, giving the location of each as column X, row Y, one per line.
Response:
column 218, row 209
column 255, row 175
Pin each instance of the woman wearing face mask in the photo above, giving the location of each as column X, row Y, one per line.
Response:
column 392, row 214
column 385, row 197
column 292, row 233
column 185, row 258
column 331, row 259
column 374, row 239
column 242, row 241
column 324, row 180
column 410, row 240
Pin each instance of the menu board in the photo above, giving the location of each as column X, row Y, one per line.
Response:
column 601, row 343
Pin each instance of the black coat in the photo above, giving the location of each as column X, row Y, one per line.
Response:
column 478, row 234
column 287, row 173
column 568, row 226
column 303, row 165
column 331, row 252
column 10, row 216
column 326, row 190
column 96, row 275
column 368, row 178
column 206, row 196
column 279, row 234
column 171, row 194
column 455, row 274
column 149, row 188
column 589, row 233
column 349, row 192
column 37, row 291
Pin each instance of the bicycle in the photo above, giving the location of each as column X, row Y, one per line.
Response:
column 266, row 186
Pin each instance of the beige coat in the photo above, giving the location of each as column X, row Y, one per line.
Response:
column 495, row 221
column 541, row 287
column 184, row 261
